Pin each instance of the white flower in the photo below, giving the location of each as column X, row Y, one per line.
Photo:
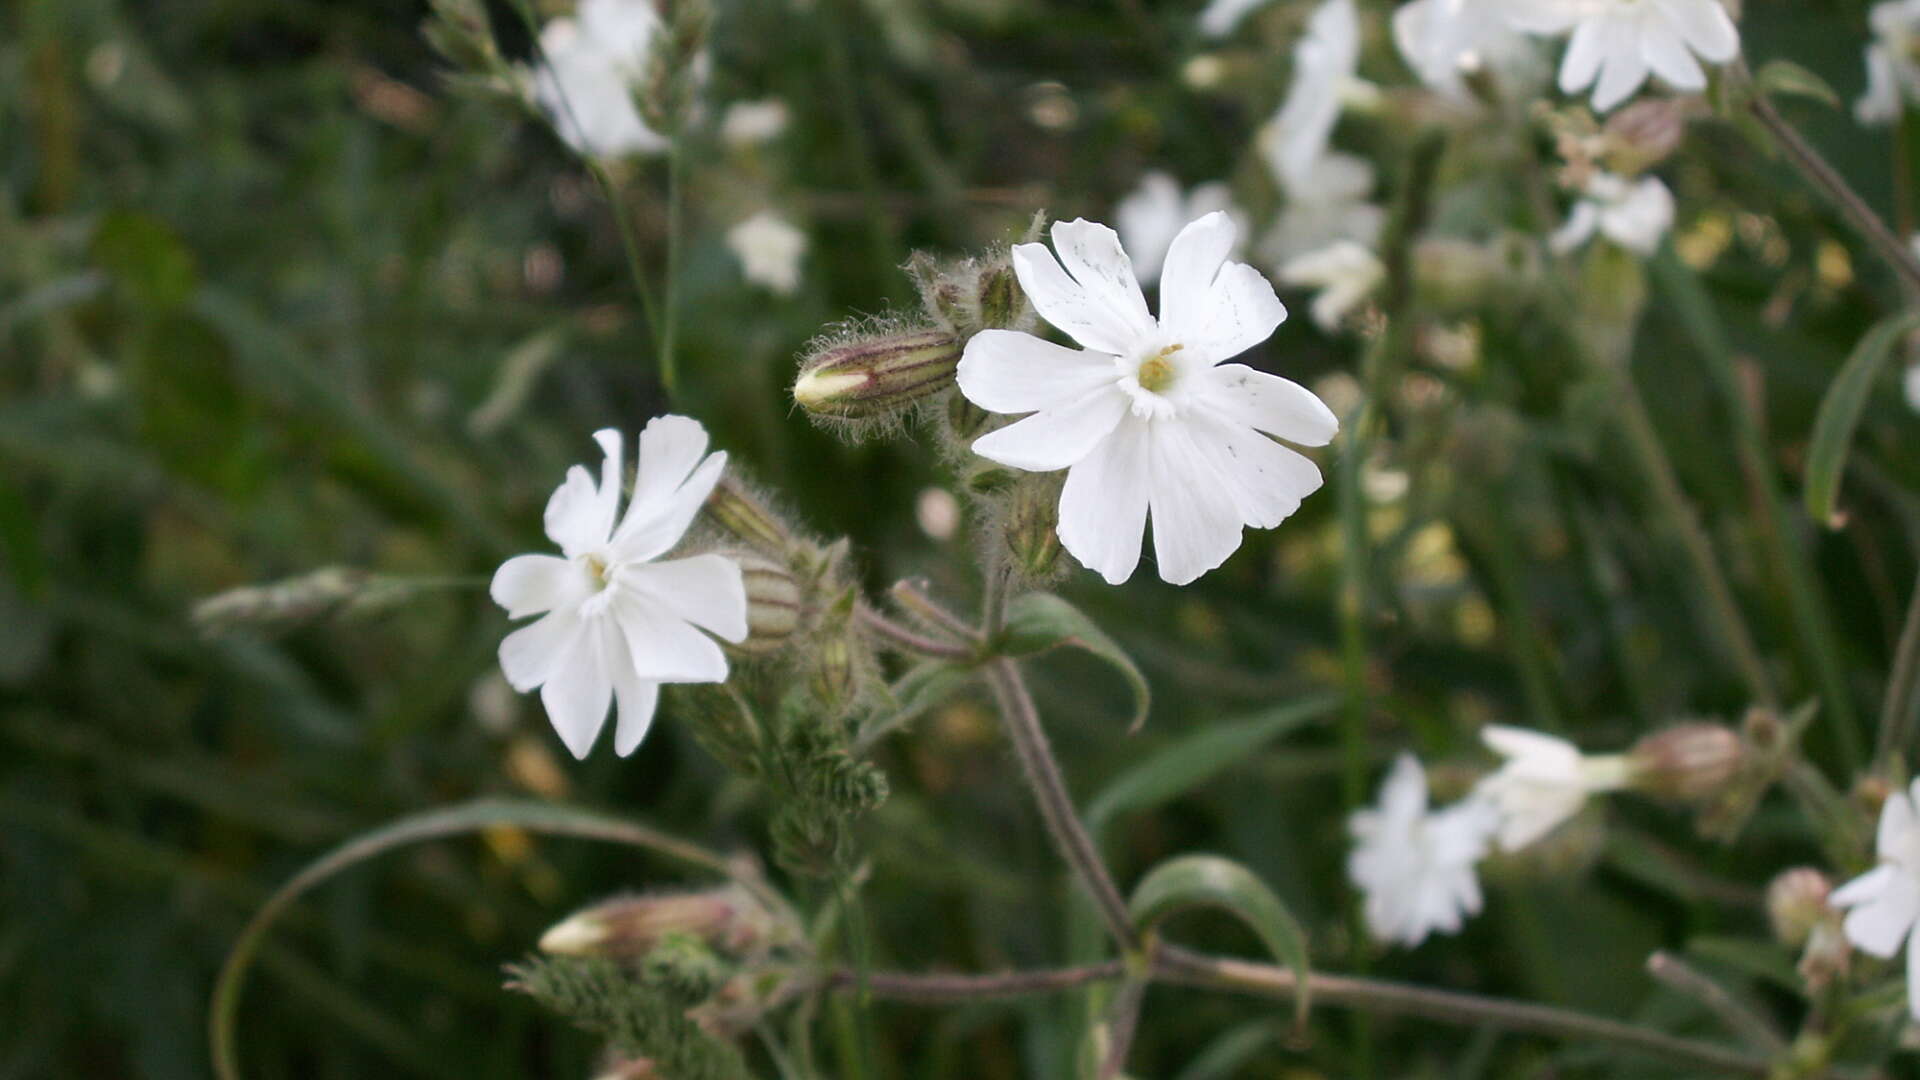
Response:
column 1545, row 781
column 749, row 123
column 1346, row 274
column 1617, row 43
column 1156, row 211
column 1324, row 66
column 1634, row 215
column 592, row 63
column 1416, row 867
column 1912, row 383
column 1221, row 16
column 1442, row 39
column 1145, row 415
column 1886, row 899
column 769, row 248
column 1331, row 205
column 1893, row 72
column 614, row 623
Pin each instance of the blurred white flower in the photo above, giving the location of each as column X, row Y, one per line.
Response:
column 614, row 623
column 1913, row 387
column 1332, row 204
column 1545, row 781
column 1325, row 63
column 1417, row 867
column 592, row 63
column 1156, row 211
column 1145, row 415
column 1346, row 274
column 1886, row 899
column 1634, row 215
column 1443, row 39
column 1221, row 16
column 1893, row 70
column 749, row 123
column 769, row 248
column 1616, row 44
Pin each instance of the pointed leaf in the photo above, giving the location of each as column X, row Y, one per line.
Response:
column 1191, row 761
column 1840, row 412
column 1211, row 881
column 1040, row 621
column 1789, row 78
column 923, row 687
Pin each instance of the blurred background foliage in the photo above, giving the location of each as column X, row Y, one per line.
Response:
column 271, row 300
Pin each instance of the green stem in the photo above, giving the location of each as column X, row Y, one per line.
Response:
column 1903, row 687
column 670, row 331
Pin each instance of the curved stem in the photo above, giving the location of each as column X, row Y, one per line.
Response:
column 1749, row 1026
column 905, row 639
column 1056, row 806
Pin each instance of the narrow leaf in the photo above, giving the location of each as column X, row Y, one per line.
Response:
column 1211, row 881
column 1789, row 78
column 545, row 818
column 1037, row 622
column 1840, row 412
column 1191, row 761
column 922, row 688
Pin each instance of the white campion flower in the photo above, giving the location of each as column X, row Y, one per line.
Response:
column 1545, row 781
column 1886, row 899
column 1912, row 385
column 1893, row 65
column 1443, row 39
column 1346, row 273
column 593, row 61
column 1416, row 866
column 750, row 123
column 1616, row 44
column 769, row 248
column 1634, row 215
column 1325, row 66
column 1331, row 205
column 1145, row 414
column 1154, row 213
column 1221, row 16
column 615, row 623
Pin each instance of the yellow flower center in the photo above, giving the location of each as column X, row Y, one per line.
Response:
column 1157, row 372
column 597, row 566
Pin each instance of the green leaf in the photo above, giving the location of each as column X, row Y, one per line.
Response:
column 544, row 818
column 1840, row 412
column 1192, row 881
column 1788, row 78
column 147, row 258
column 1195, row 759
column 922, row 688
column 1037, row 622
column 1224, row 1058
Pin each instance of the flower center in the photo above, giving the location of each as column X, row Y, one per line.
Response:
column 1157, row 372
column 597, row 566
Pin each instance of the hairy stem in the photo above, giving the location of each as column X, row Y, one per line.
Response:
column 911, row 596
column 1123, row 1021
column 1903, row 687
column 1056, row 806
column 670, row 318
column 1739, row 1020
column 906, row 639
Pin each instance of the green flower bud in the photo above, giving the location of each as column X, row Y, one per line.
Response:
column 877, row 376
column 741, row 514
column 1032, row 522
column 1002, row 303
column 774, row 606
column 834, row 678
column 991, row 480
column 964, row 418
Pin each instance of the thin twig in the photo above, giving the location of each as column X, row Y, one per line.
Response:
column 945, row 988
column 1738, row 1019
column 1056, row 806
column 909, row 640
column 1123, row 1021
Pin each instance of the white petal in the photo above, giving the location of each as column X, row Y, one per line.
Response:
column 705, row 590
column 1881, row 103
column 652, row 529
column 532, row 584
column 1669, row 58
column 530, row 655
column 1404, row 792
column 1066, row 306
column 1056, row 438
column 1103, row 508
column 1196, row 525
column 1865, row 888
column 1898, row 823
column 1879, row 925
column 1238, row 311
column 1091, row 252
column 1579, row 228
column 573, row 519
column 1624, row 72
column 663, row 647
column 1639, row 223
column 1913, row 978
column 1271, row 404
column 1193, row 261
column 636, row 700
column 670, row 449
column 1005, row 371
column 1706, row 27
column 1148, row 219
column 1524, row 744
column 1586, row 51
column 577, row 697
column 1263, row 480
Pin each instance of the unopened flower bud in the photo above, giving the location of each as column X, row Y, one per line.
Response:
column 1002, row 303
column 629, row 927
column 1032, row 523
column 877, row 376
column 746, row 517
column 991, row 479
column 1869, row 794
column 774, row 605
column 1765, row 732
column 1689, row 763
column 1796, row 903
column 835, row 675
column 964, row 418
column 1826, row 957
column 625, row 1068
column 1647, row 132
column 283, row 604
